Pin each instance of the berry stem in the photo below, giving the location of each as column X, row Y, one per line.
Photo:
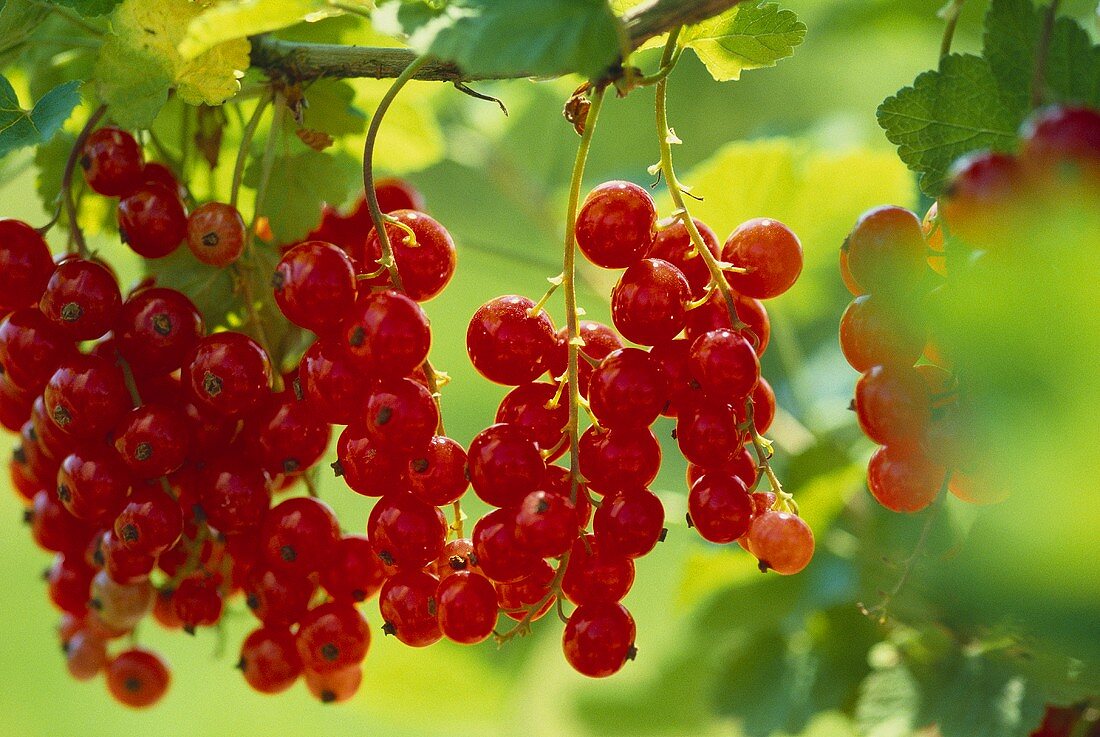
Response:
column 1038, row 80
column 67, row 180
column 950, row 14
column 247, row 135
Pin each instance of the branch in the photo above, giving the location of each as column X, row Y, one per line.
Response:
column 305, row 61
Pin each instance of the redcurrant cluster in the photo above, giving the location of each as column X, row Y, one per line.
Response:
column 708, row 379
column 912, row 398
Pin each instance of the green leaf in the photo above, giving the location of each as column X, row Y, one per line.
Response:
column 488, row 37
column 889, row 700
column 745, row 37
column 331, row 108
column 945, row 114
column 139, row 62
column 299, row 185
column 20, row 128
column 88, row 8
column 235, row 20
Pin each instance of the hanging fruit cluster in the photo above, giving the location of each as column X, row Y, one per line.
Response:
column 928, row 351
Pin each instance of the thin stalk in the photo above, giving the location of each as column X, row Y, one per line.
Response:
column 1038, row 80
column 246, row 143
column 950, row 14
column 67, row 180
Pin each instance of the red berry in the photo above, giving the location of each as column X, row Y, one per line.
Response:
column 276, row 597
column 335, row 687
column 331, row 382
column 673, row 244
column 425, row 268
column 467, row 606
column 299, row 534
column 269, row 660
column 365, row 467
column 599, row 639
column 388, row 333
column 457, row 555
column 156, row 172
column 720, row 508
column 874, row 332
column 216, row 233
column 504, row 464
column 228, row 373
column 781, row 541
column 1061, row 132
column 629, row 523
column 315, row 286
column 156, row 330
column 153, row 440
column 138, row 678
column 397, row 194
column 599, row 341
column 152, row 221
column 438, row 475
column 617, row 459
column 53, row 528
column 93, row 483
column 86, row 396
column 25, row 265
column 332, row 637
column 518, row 598
column 288, row 437
column 904, row 480
column 401, row 416
column 539, row 409
column 15, row 405
column 234, row 495
column 85, row 655
column 122, row 564
column 197, row 602
column 674, row 357
column 31, row 349
column 409, row 608
column 892, row 405
column 596, row 577
column 725, row 365
column 405, row 531
column 498, row 553
column 547, row 523
column 82, row 299
column 628, row 388
column 150, row 522
column 763, row 406
column 506, row 343
column 649, row 303
column 112, row 162
column 615, row 224
column 886, row 250
column 706, row 433
column 714, row 315
column 769, row 252
column 68, row 580
column 355, row 573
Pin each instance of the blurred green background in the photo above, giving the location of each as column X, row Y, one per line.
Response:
column 722, row 649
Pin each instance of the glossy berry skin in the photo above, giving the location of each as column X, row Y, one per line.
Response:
column 156, row 330
column 278, row 598
column 764, row 408
column 81, row 299
column 25, row 265
column 269, row 660
column 599, row 341
column 615, row 224
column 31, row 349
column 405, row 531
column 397, row 194
column 152, row 221
column 366, row 468
column 85, row 655
column 68, row 579
column 355, row 572
column 153, row 440
column 886, row 250
column 714, row 315
column 1059, row 133
column 426, row 268
column 216, row 233
column 93, row 483
column 401, row 416
column 596, row 577
column 506, row 344
column 234, row 495
column 299, row 535
column 674, row 356
column 315, row 286
column 156, row 172
column 498, row 554
column 336, row 687
column 527, row 406
column 387, row 333
column 892, row 405
column 112, row 162
column 332, row 384
column 518, row 598
column 228, row 373
column 439, row 475
column 706, row 433
column 903, row 481
column 770, row 253
column 467, row 606
column 150, row 522
column 124, row 565
column 725, row 365
column 619, row 459
column 720, row 508
column 673, row 244
column 15, row 405
column 504, row 464
column 289, row 437
column 332, row 636
column 628, row 388
column 457, row 555
column 648, row 304
column 599, row 639
column 874, row 332
column 86, row 396
column 197, row 603
column 408, row 605
column 629, row 523
column 547, row 523
column 53, row 528
column 137, row 678
column 781, row 541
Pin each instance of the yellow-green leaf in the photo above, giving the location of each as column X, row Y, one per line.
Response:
column 240, row 18
column 746, row 36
